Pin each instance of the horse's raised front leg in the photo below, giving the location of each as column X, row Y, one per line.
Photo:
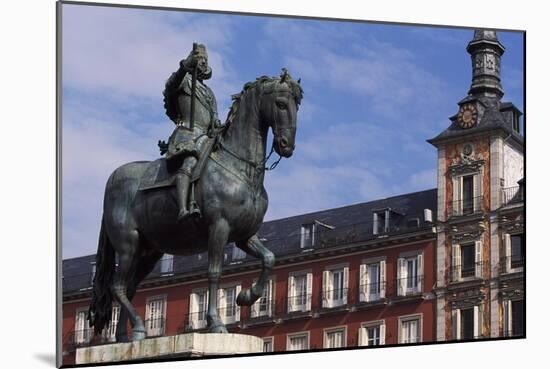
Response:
column 254, row 247
column 128, row 260
column 217, row 239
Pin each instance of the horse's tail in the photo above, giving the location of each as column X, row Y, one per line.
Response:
column 99, row 313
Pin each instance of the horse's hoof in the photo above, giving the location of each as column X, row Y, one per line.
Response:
column 183, row 215
column 138, row 335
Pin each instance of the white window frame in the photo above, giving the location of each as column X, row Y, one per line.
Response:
column 195, row 308
column 456, row 260
column 457, row 180
column 508, row 317
column 295, row 335
column 93, row 272
column 222, row 303
column 271, row 340
column 166, row 266
column 109, row 332
column 304, row 230
column 255, row 311
column 328, row 300
column 156, row 331
column 291, row 291
column 365, row 293
column 376, row 221
column 402, row 273
column 456, row 316
column 507, row 251
column 364, row 333
column 406, row 318
column 82, row 329
column 343, row 329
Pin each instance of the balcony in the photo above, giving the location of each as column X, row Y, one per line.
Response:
column 467, row 206
column 410, row 286
column 372, row 292
column 155, row 327
column 468, row 271
column 511, row 195
column 512, row 264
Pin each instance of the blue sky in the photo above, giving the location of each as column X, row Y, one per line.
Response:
column 373, row 94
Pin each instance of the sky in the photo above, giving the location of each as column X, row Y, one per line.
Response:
column 373, row 94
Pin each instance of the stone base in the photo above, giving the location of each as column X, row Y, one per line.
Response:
column 182, row 345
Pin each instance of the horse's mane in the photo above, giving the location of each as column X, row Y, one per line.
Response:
column 295, row 88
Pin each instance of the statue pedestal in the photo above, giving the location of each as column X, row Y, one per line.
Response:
column 182, row 345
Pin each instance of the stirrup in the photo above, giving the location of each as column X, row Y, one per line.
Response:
column 194, row 209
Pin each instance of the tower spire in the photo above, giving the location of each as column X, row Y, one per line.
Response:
column 486, row 51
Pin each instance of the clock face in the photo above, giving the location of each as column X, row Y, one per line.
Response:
column 467, row 116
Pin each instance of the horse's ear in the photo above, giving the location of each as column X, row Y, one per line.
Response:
column 299, row 79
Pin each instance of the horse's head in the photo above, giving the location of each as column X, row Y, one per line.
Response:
column 278, row 107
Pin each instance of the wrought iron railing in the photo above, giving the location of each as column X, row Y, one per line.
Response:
column 155, row 327
column 300, row 302
column 408, row 286
column 512, row 194
column 334, row 298
column 370, row 292
column 466, row 206
column 460, row 271
column 508, row 263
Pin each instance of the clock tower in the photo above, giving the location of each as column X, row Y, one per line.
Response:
column 480, row 218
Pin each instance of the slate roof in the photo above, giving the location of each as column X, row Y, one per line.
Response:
column 348, row 224
column 496, row 117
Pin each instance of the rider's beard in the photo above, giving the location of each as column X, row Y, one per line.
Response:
column 204, row 73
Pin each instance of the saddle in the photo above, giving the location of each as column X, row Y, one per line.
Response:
column 158, row 175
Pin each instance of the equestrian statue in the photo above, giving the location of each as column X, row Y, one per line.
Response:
column 206, row 192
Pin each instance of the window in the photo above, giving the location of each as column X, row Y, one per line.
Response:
column 198, row 303
column 299, row 292
column 372, row 276
column 381, row 221
column 517, row 250
column 466, row 261
column 372, row 334
column 264, row 305
column 166, row 264
column 335, row 338
column 307, row 238
column 82, row 330
column 409, row 275
column 298, row 341
column 467, row 254
column 268, row 344
column 467, row 323
column 335, row 287
column 410, row 330
column 514, row 317
column 92, row 276
column 109, row 333
column 155, row 313
column 228, row 309
column 466, row 194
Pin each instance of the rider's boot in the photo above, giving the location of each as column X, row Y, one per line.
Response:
column 182, row 190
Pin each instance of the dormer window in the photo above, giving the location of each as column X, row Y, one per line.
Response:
column 307, row 238
column 381, row 221
column 515, row 122
column 92, row 276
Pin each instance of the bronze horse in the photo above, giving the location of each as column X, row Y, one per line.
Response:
column 140, row 226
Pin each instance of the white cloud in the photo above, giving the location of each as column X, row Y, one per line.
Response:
column 131, row 52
